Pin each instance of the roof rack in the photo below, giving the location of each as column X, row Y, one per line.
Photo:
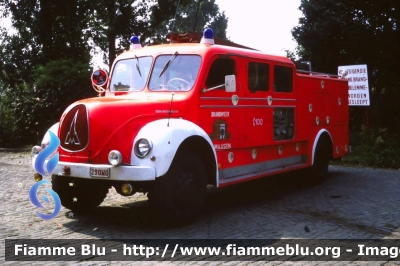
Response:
column 195, row 37
column 319, row 74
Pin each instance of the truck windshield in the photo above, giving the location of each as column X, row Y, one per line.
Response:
column 131, row 74
column 174, row 73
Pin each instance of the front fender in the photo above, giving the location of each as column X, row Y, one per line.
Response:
column 166, row 137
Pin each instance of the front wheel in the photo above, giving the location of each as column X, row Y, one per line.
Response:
column 180, row 194
column 79, row 195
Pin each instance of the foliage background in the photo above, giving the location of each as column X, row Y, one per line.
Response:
column 46, row 63
column 46, row 60
column 336, row 33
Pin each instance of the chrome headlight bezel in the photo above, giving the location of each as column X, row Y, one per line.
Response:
column 143, row 147
column 46, row 138
column 36, row 150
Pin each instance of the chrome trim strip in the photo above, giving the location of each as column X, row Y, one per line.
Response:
column 244, row 99
column 246, row 171
column 262, row 173
column 280, row 99
column 216, row 98
column 117, row 173
column 247, row 106
column 266, row 99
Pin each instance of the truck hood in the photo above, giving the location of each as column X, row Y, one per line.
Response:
column 91, row 128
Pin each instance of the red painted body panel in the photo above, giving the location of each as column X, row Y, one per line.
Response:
column 246, row 118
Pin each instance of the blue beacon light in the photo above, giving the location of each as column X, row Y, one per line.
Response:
column 135, row 43
column 208, row 36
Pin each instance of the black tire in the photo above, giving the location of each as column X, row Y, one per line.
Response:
column 179, row 195
column 88, row 194
column 317, row 173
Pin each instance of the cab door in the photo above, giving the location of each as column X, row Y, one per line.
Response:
column 221, row 113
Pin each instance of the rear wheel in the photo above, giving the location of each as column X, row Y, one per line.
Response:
column 179, row 195
column 317, row 173
column 79, row 195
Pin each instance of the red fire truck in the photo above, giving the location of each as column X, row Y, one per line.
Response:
column 178, row 117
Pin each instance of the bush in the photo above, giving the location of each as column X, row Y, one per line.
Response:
column 28, row 111
column 9, row 132
column 379, row 148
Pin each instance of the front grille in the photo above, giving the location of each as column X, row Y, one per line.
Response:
column 74, row 134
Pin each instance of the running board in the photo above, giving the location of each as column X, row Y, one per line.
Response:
column 245, row 173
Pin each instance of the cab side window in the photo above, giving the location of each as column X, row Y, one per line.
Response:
column 283, row 79
column 258, row 77
column 218, row 70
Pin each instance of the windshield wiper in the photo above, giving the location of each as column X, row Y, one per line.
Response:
column 168, row 63
column 137, row 66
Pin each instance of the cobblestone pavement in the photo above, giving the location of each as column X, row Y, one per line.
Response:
column 354, row 203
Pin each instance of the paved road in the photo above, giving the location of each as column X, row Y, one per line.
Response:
column 354, row 203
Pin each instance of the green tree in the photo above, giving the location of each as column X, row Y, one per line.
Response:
column 28, row 111
column 208, row 15
column 114, row 21
column 45, row 65
column 336, row 32
column 50, row 36
column 46, row 31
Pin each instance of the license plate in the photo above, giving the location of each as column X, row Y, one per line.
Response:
column 99, row 172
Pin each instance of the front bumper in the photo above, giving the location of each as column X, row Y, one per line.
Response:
column 116, row 173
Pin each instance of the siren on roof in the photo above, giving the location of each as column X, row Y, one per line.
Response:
column 208, row 36
column 135, row 43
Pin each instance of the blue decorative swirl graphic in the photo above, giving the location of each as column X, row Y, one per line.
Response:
column 35, row 201
column 46, row 152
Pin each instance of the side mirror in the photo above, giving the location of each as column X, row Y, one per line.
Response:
column 230, row 83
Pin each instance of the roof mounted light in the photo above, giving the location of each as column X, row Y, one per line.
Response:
column 99, row 77
column 99, row 80
column 135, row 43
column 208, row 36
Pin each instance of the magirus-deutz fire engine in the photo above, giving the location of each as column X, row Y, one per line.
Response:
column 175, row 118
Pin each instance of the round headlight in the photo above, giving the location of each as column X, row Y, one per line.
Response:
column 115, row 158
column 143, row 147
column 36, row 150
